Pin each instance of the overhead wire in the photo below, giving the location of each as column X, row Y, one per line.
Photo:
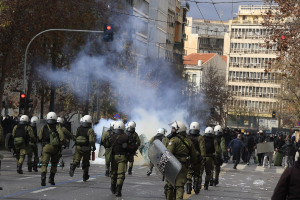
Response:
column 213, row 3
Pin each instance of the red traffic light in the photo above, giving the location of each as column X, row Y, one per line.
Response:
column 108, row 27
column 23, row 96
column 283, row 37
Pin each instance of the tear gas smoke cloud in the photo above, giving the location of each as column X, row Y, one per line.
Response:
column 151, row 107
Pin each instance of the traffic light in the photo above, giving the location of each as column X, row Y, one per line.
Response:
column 273, row 114
column 212, row 111
column 108, row 33
column 10, row 104
column 22, row 100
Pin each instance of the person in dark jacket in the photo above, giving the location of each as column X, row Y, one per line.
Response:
column 261, row 138
column 289, row 150
column 235, row 146
column 279, row 142
column 250, row 145
column 288, row 184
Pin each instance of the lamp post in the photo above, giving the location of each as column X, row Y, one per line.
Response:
column 45, row 31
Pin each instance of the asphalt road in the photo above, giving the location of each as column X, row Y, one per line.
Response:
column 247, row 182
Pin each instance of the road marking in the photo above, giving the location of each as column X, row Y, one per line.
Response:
column 82, row 180
column 43, row 190
column 25, row 177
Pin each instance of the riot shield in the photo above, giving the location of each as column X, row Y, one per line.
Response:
column 101, row 152
column 144, row 147
column 265, row 147
column 165, row 161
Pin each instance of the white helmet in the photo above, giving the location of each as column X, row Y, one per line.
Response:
column 218, row 130
column 194, row 128
column 209, row 131
column 51, row 118
column 119, row 127
column 81, row 119
column 60, row 120
column 161, row 131
column 131, row 126
column 112, row 125
column 86, row 121
column 24, row 119
column 179, row 126
column 34, row 120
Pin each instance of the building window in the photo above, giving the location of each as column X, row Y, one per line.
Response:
column 194, row 79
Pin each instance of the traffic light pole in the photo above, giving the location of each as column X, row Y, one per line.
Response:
column 45, row 31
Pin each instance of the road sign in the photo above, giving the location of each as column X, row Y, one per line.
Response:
column 299, row 123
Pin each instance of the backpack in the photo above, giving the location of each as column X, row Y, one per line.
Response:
column 54, row 137
column 82, row 138
column 21, row 136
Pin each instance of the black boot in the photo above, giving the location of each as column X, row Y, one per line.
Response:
column 51, row 179
column 29, row 167
column 43, row 179
column 216, row 182
column 113, row 188
column 72, row 169
column 234, row 167
column 119, row 189
column 107, row 173
column 19, row 169
column 197, row 187
column 189, row 188
column 130, row 170
column 150, row 171
column 211, row 182
column 206, row 185
column 86, row 176
column 35, row 168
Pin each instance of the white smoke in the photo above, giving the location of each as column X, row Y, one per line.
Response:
column 151, row 107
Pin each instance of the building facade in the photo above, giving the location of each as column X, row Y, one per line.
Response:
column 254, row 88
column 205, row 36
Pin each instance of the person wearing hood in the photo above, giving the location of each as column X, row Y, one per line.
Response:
column 289, row 150
column 288, row 184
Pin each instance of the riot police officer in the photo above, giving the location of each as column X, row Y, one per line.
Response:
column 104, row 139
column 22, row 134
column 208, row 148
column 33, row 148
column 161, row 135
column 134, row 142
column 118, row 143
column 183, row 149
column 68, row 134
column 52, row 138
column 218, row 161
column 194, row 172
column 85, row 142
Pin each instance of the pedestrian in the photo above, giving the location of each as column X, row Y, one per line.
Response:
column 161, row 136
column 193, row 175
column 261, row 139
column 118, row 143
column 22, row 135
column 52, row 138
column 183, row 149
column 250, row 145
column 134, row 142
column 218, row 161
column 84, row 143
column 33, row 148
column 268, row 155
column 235, row 146
column 209, row 147
column 289, row 150
column 105, row 136
column 288, row 184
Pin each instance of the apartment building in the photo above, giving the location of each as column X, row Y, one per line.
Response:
column 205, row 36
column 255, row 90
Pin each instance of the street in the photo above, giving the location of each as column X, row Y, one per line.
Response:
column 247, row 182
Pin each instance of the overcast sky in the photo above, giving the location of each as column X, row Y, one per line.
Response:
column 224, row 9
